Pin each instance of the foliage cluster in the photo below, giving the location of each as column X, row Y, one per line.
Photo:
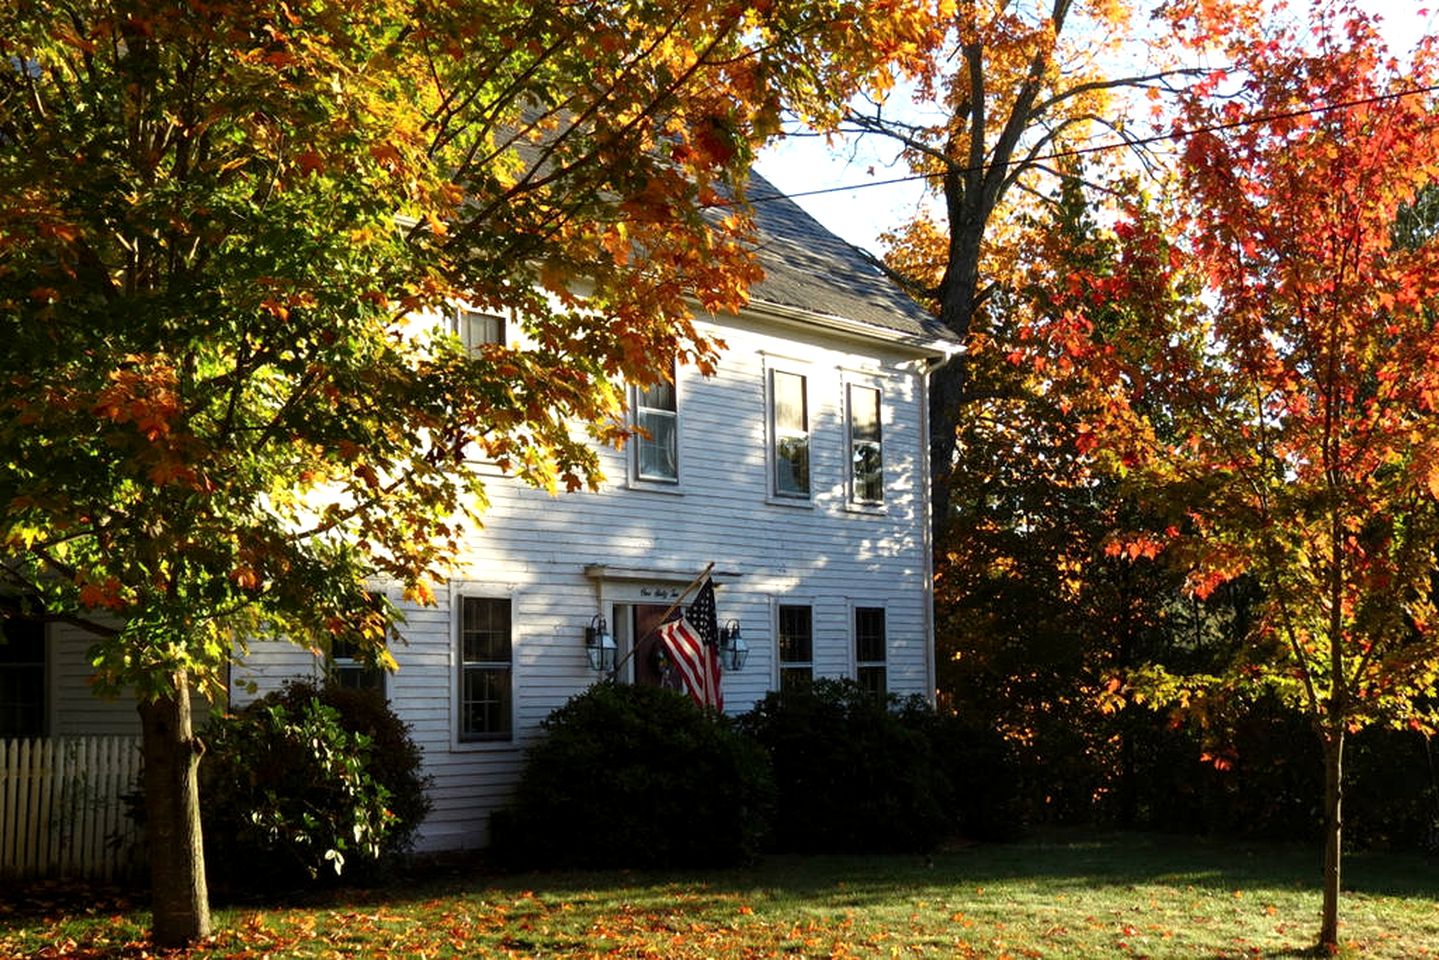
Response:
column 306, row 783
column 233, row 235
column 852, row 775
column 637, row 776
column 856, row 774
column 1058, row 604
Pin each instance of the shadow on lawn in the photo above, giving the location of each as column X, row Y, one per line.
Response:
column 1066, row 860
column 1058, row 859
column 1048, row 860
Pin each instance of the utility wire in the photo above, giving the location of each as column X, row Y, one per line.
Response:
column 1097, row 148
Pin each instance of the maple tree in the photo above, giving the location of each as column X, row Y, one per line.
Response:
column 1036, row 615
column 229, row 232
column 1289, row 413
column 1014, row 84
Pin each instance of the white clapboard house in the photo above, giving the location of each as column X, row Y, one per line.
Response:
column 799, row 470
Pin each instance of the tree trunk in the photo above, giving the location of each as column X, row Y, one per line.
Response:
column 1333, row 835
column 947, row 383
column 946, row 386
column 172, row 808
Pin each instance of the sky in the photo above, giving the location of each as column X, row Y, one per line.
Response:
column 798, row 164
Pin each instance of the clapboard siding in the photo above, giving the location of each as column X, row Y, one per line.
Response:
column 534, row 549
column 73, row 708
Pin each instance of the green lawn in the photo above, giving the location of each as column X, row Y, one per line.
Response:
column 1060, row 895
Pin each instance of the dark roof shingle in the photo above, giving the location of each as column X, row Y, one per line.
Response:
column 809, row 268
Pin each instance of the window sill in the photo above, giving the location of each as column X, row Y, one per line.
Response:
column 871, row 509
column 670, row 487
column 483, row 746
column 803, row 503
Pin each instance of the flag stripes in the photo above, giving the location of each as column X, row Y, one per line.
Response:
column 692, row 642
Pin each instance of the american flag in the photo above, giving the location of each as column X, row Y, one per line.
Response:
column 693, row 644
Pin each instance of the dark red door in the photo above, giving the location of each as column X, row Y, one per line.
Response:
column 651, row 666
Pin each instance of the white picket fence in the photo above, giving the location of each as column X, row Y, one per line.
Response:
column 61, row 812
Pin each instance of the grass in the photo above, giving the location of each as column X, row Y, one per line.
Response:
column 1055, row 896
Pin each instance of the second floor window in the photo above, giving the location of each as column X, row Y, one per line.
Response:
column 475, row 329
column 866, row 450
column 657, row 455
column 789, row 414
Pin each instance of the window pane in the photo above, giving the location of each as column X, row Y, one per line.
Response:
column 22, row 701
column 353, row 676
column 866, row 451
column 22, row 679
column 485, row 630
column 868, row 471
column 659, row 397
column 869, row 634
column 22, row 641
column 658, row 453
column 475, row 329
column 872, row 679
column 863, row 413
column 795, row 679
column 796, row 643
column 791, row 434
column 789, row 403
column 485, row 706
column 791, row 465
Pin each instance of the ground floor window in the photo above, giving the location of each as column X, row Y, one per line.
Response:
column 796, row 647
column 22, row 679
column 486, row 669
column 350, row 672
column 869, row 651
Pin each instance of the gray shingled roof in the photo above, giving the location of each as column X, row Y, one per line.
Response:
column 809, row 268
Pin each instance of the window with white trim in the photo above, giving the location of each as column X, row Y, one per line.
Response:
column 486, row 669
column 789, row 427
column 869, row 651
column 22, row 679
column 476, row 329
column 657, row 455
column 349, row 671
column 796, row 647
column 866, row 450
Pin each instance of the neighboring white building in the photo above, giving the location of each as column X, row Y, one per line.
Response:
column 799, row 469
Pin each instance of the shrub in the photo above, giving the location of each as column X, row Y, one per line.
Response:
column 394, row 759
column 306, row 783
column 975, row 771
column 852, row 775
column 636, row 776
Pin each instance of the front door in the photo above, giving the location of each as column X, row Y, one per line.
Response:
column 651, row 666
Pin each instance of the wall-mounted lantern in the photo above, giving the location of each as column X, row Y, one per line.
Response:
column 600, row 645
column 733, row 651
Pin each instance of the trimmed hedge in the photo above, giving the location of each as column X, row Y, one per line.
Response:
column 854, row 774
column 636, row 776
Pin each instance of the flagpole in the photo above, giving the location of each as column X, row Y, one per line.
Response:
column 635, row 644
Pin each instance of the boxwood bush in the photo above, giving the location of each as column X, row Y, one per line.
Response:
column 852, row 773
column 308, row 783
column 636, row 776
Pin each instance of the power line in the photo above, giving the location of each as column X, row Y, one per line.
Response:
column 1101, row 147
